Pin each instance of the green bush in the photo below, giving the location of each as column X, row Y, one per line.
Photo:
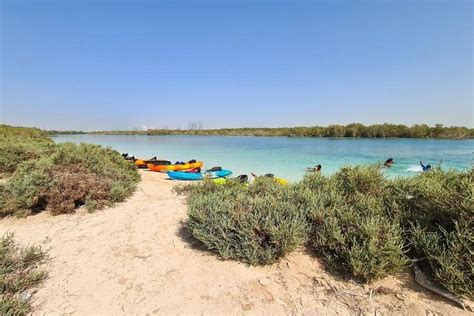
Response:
column 361, row 224
column 436, row 197
column 69, row 176
column 22, row 191
column 58, row 177
column 23, row 132
column 19, row 272
column 21, row 144
column 257, row 224
column 447, row 255
column 437, row 212
column 351, row 229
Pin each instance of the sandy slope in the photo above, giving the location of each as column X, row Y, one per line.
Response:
column 136, row 258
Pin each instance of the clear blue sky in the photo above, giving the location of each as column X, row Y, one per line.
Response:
column 117, row 64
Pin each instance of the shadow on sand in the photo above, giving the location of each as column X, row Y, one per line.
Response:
column 185, row 234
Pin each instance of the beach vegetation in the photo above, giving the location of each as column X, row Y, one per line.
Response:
column 437, row 217
column 62, row 177
column 256, row 224
column 20, row 272
column 353, row 231
column 19, row 144
column 361, row 224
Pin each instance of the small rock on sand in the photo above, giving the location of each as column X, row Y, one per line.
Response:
column 265, row 281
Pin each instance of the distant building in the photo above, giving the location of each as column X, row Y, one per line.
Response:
column 194, row 125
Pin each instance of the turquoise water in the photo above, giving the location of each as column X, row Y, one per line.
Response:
column 289, row 157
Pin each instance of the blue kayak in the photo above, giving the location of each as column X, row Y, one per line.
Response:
column 179, row 175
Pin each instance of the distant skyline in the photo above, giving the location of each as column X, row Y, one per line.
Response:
column 104, row 65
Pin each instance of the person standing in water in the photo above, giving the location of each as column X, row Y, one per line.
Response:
column 425, row 168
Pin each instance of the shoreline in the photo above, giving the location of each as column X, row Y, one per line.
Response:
column 289, row 158
column 137, row 258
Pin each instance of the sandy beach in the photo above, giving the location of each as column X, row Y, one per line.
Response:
column 137, row 258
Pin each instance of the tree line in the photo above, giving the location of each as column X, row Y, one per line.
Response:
column 354, row 130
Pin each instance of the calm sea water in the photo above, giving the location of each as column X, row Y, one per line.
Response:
column 289, row 157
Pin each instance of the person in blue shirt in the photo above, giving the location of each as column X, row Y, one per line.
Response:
column 425, row 168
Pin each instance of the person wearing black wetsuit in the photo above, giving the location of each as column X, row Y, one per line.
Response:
column 316, row 168
column 425, row 168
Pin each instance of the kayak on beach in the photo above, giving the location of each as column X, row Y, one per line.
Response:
column 141, row 163
column 190, row 176
column 245, row 179
column 175, row 167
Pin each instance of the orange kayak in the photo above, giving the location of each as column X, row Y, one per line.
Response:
column 166, row 168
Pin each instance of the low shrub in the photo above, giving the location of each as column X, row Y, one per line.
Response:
column 437, row 217
column 23, row 132
column 16, row 149
column 434, row 198
column 69, row 176
column 192, row 190
column 361, row 224
column 351, row 229
column 446, row 255
column 74, row 186
column 19, row 272
column 257, row 224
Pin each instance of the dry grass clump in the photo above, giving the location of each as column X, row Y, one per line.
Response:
column 19, row 272
column 74, row 186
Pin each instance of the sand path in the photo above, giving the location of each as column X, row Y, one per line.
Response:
column 136, row 258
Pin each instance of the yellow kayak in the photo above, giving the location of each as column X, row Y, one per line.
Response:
column 219, row 180
column 281, row 181
column 166, row 168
